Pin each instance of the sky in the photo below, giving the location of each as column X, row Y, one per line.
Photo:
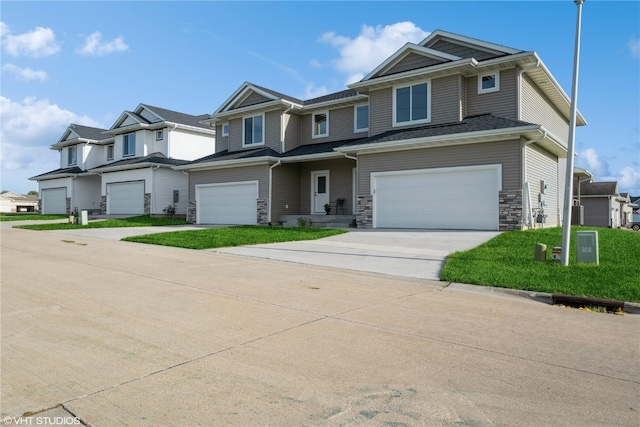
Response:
column 86, row 62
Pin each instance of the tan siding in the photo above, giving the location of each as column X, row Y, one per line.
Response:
column 222, row 142
column 252, row 99
column 272, row 130
column 285, row 191
column 536, row 108
column 412, row 61
column 340, row 126
column 502, row 103
column 380, row 105
column 340, row 182
column 462, row 51
column 218, row 176
column 542, row 166
column 444, row 100
column 292, row 135
column 506, row 153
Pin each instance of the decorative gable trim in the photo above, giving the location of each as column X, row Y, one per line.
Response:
column 437, row 35
column 148, row 114
column 241, row 94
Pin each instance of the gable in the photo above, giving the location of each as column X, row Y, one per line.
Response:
column 128, row 121
column 69, row 135
column 464, row 51
column 149, row 115
column 251, row 98
column 411, row 61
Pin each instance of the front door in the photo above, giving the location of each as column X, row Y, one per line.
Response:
column 319, row 191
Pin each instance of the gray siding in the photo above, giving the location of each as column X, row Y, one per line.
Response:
column 502, row 103
column 543, row 166
column 292, row 133
column 462, row 51
column 258, row 173
column 252, row 99
column 271, row 132
column 285, row 191
column 222, row 142
column 340, row 182
column 380, row 114
column 536, row 108
column 445, row 98
column 340, row 126
column 412, row 61
column 506, row 153
column 596, row 212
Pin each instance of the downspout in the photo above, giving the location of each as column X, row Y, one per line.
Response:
column 525, row 173
column 151, row 183
column 278, row 163
column 73, row 191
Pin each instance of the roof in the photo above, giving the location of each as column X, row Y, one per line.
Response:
column 598, row 189
column 88, row 132
column 59, row 173
column 151, row 159
column 344, row 94
column 177, row 117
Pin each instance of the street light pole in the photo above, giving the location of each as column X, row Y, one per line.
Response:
column 568, row 188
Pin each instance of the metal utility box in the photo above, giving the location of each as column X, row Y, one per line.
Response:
column 587, row 247
column 176, row 196
column 556, row 253
column 84, row 217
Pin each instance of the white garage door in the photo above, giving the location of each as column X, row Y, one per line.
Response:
column 125, row 198
column 54, row 201
column 463, row 198
column 233, row 203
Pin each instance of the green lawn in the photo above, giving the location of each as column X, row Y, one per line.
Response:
column 135, row 221
column 233, row 236
column 29, row 217
column 508, row 261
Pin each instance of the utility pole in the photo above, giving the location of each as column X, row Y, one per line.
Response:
column 568, row 188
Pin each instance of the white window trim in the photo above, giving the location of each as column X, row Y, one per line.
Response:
column 222, row 129
column 412, row 122
column 74, row 149
column 313, row 125
column 355, row 119
column 159, row 134
column 113, row 151
column 258, row 144
column 496, row 88
column 124, row 145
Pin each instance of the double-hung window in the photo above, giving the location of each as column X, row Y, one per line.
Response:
column 225, row 129
column 412, row 104
column 110, row 152
column 361, row 118
column 320, row 124
column 129, row 145
column 489, row 82
column 72, row 155
column 253, row 130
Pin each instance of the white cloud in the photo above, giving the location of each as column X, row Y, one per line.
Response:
column 26, row 74
column 311, row 91
column 94, row 46
column 371, row 47
column 37, row 43
column 634, row 47
column 590, row 160
column 629, row 180
column 29, row 127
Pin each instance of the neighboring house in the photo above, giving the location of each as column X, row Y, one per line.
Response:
column 12, row 202
column 452, row 133
column 127, row 169
column 604, row 206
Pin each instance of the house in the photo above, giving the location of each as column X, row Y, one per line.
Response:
column 126, row 169
column 447, row 120
column 12, row 202
column 603, row 204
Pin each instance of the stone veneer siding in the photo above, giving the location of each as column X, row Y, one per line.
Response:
column 510, row 210
column 147, row 203
column 263, row 212
column 191, row 212
column 103, row 205
column 364, row 212
column 68, row 205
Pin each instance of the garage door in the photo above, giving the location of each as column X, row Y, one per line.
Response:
column 54, row 201
column 444, row 198
column 125, row 198
column 234, row 203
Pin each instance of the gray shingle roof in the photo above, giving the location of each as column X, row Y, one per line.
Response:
column 237, row 155
column 88, row 132
column 332, row 97
column 63, row 171
column 155, row 158
column 279, row 94
column 597, row 189
column 177, row 117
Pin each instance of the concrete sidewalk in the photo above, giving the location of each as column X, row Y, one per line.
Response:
column 130, row 334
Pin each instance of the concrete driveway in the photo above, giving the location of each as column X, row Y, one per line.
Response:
column 125, row 334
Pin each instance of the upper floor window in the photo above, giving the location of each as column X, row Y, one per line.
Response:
column 361, row 118
column 110, row 152
column 159, row 134
column 412, row 104
column 489, row 82
column 320, row 124
column 129, row 145
column 72, row 155
column 253, row 130
column 225, row 129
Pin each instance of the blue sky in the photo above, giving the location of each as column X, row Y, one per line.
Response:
column 87, row 62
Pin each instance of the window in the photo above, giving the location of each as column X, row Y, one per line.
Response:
column 253, row 130
column 159, row 134
column 320, row 124
column 129, row 145
column 72, row 155
column 411, row 104
column 361, row 118
column 488, row 82
column 110, row 152
column 225, row 129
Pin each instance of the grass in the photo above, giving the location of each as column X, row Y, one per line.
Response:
column 507, row 261
column 29, row 217
column 136, row 221
column 233, row 236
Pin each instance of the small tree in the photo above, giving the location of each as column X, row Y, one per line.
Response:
column 32, row 193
